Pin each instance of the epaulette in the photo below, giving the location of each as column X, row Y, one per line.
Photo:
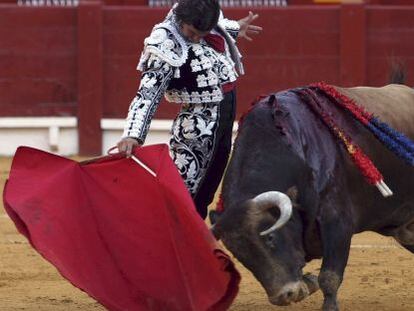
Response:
column 167, row 44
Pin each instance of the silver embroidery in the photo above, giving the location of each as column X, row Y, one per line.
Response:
column 183, row 96
column 231, row 26
column 217, row 69
column 153, row 85
column 166, row 43
column 192, row 141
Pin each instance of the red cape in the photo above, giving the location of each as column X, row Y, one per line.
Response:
column 128, row 239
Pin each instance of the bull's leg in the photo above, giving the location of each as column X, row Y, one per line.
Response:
column 405, row 234
column 336, row 234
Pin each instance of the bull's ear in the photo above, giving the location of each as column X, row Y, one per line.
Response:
column 292, row 193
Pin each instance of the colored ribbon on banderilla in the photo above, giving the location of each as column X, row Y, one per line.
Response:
column 360, row 159
column 395, row 141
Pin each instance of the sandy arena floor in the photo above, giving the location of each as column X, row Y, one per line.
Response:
column 379, row 276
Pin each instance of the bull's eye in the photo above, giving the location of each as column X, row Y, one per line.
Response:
column 269, row 240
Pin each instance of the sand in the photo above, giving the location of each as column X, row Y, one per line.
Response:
column 379, row 276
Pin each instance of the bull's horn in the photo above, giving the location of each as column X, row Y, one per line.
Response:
column 272, row 199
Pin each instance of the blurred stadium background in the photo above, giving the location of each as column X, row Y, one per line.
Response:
column 67, row 67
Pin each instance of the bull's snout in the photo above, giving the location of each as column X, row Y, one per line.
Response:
column 295, row 291
column 291, row 292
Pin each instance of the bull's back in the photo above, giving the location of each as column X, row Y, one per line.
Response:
column 393, row 104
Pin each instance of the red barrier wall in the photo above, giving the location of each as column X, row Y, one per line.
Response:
column 390, row 33
column 38, row 61
column 54, row 58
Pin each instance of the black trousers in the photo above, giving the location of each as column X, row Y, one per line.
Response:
column 205, row 193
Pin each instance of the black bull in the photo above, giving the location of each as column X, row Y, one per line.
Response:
column 284, row 148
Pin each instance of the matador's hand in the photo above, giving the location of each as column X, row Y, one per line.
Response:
column 246, row 29
column 127, row 144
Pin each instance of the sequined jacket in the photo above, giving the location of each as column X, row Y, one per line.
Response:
column 182, row 71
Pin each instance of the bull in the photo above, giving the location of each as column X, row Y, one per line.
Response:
column 291, row 194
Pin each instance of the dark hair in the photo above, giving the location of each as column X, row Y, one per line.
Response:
column 202, row 14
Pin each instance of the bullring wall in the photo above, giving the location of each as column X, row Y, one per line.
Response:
column 80, row 61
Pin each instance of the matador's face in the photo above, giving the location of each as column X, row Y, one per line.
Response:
column 191, row 33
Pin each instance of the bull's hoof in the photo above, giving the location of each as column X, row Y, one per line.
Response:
column 311, row 282
column 330, row 305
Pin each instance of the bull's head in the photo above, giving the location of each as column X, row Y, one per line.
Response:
column 265, row 234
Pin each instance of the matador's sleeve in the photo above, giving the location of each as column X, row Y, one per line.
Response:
column 154, row 82
column 231, row 26
column 164, row 53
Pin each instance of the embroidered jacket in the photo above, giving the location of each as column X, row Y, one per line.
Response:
column 182, row 71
